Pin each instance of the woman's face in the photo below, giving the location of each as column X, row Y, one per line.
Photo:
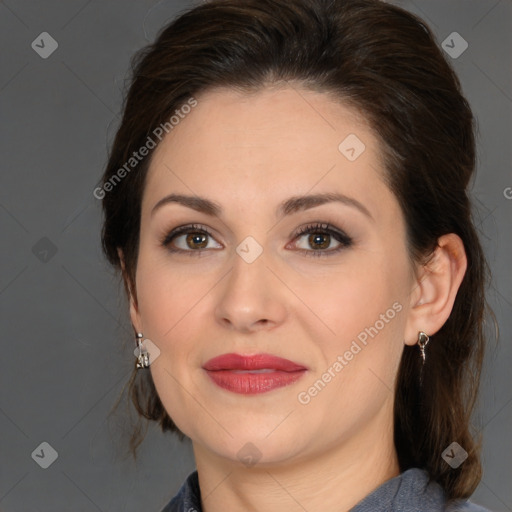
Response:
column 259, row 277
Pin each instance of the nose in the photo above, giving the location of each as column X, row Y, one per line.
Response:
column 252, row 298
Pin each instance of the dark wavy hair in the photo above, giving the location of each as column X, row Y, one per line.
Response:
column 383, row 61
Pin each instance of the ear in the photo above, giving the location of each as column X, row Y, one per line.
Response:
column 436, row 287
column 134, row 308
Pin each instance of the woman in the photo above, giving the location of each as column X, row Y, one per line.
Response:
column 256, row 134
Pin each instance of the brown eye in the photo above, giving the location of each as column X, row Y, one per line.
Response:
column 191, row 239
column 320, row 237
column 319, row 240
column 197, row 240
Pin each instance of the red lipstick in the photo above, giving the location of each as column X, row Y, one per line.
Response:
column 253, row 374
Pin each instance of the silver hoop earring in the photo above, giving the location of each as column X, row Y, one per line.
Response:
column 422, row 342
column 143, row 357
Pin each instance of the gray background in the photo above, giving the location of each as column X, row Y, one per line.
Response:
column 66, row 339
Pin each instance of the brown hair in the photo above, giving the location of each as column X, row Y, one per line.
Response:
column 383, row 61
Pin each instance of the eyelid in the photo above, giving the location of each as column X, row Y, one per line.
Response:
column 325, row 228
column 184, row 229
column 318, row 226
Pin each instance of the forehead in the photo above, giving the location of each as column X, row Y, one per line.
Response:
column 263, row 142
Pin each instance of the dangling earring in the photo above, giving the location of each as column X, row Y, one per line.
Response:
column 143, row 357
column 422, row 342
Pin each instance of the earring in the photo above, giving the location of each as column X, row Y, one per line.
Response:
column 422, row 342
column 143, row 358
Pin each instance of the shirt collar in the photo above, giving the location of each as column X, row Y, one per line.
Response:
column 410, row 491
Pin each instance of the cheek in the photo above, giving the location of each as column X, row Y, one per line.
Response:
column 354, row 296
column 176, row 305
column 363, row 309
column 168, row 295
column 361, row 358
column 173, row 308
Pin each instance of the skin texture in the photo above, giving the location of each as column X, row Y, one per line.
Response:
column 248, row 153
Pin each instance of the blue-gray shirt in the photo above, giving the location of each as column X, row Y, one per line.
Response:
column 410, row 491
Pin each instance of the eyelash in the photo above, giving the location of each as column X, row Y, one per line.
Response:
column 315, row 228
column 324, row 229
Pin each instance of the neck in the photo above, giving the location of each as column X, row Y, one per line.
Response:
column 335, row 479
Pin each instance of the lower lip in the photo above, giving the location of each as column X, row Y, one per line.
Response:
column 253, row 383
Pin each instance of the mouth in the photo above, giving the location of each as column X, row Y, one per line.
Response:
column 252, row 374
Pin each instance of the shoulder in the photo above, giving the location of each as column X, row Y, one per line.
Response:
column 411, row 491
column 464, row 506
column 429, row 490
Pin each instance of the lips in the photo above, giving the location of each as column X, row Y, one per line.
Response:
column 254, row 374
column 255, row 362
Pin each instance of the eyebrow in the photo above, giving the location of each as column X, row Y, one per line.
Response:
column 291, row 205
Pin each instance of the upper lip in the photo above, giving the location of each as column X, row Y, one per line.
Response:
column 252, row 362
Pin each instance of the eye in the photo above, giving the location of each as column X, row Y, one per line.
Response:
column 192, row 239
column 320, row 237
